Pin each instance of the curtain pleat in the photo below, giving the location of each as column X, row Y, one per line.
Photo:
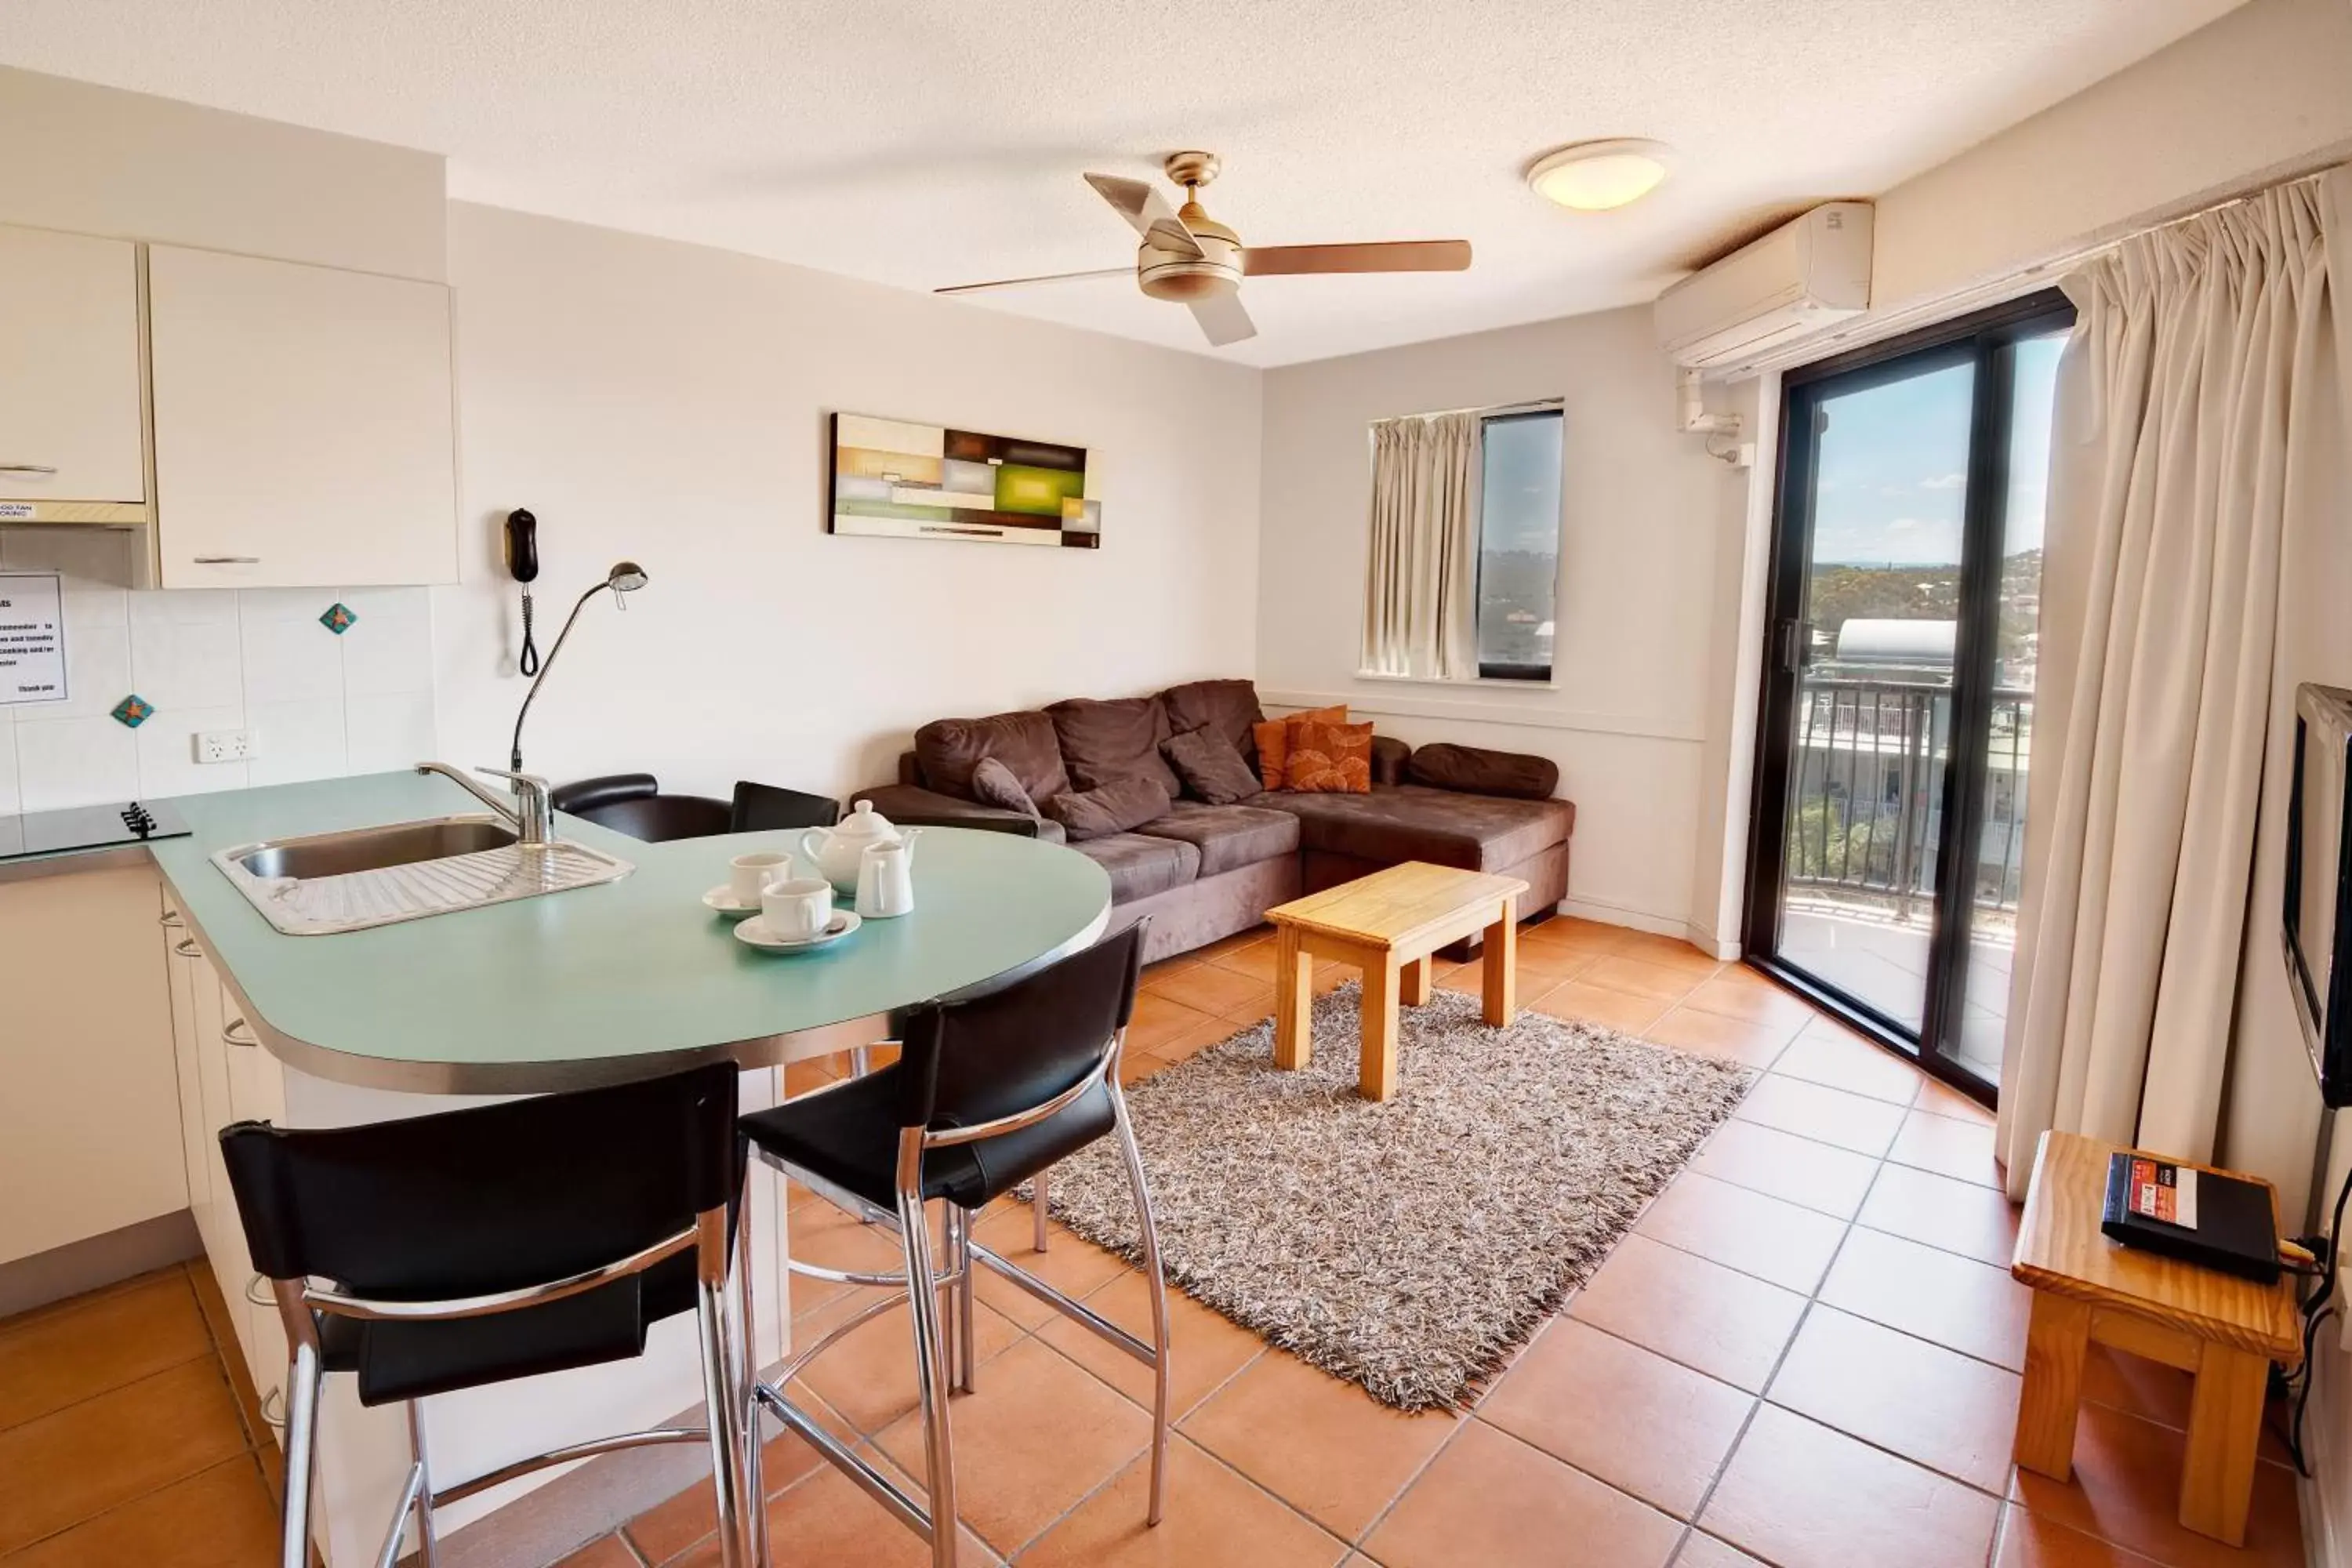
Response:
column 1420, row 581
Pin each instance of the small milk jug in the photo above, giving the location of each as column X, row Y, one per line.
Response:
column 886, row 878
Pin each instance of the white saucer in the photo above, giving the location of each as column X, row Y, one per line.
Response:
column 721, row 900
column 754, row 932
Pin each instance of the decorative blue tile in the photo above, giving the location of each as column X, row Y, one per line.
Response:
column 338, row 618
column 134, row 711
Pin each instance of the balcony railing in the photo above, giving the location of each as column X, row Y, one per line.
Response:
column 1865, row 799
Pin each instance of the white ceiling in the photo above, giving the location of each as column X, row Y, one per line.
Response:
column 936, row 142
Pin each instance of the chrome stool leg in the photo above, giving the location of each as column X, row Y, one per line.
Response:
column 721, row 1419
column 930, row 1361
column 967, row 1338
column 301, row 1453
column 428, row 1541
column 742, row 1377
column 1133, row 1157
column 1037, row 1212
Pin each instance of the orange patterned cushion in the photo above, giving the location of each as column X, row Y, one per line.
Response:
column 1273, row 739
column 1330, row 759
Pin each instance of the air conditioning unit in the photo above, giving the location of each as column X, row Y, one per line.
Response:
column 1801, row 277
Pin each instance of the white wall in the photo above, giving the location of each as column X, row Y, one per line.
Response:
column 666, row 403
column 1647, row 519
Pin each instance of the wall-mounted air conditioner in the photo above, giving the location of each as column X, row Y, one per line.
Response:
column 1803, row 276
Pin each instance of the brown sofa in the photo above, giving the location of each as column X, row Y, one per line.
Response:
column 1206, row 871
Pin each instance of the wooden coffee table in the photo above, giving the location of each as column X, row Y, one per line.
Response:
column 2224, row 1329
column 1387, row 925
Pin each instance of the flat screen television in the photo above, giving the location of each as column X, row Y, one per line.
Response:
column 2317, row 918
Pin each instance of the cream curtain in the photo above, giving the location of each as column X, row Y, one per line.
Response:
column 2196, row 431
column 1420, row 613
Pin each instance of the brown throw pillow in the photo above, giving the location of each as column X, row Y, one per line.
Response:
column 1114, row 807
column 1273, row 739
column 1330, row 759
column 992, row 784
column 1473, row 769
column 1211, row 768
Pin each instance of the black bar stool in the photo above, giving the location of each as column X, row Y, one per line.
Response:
column 466, row 1248
column 986, row 1093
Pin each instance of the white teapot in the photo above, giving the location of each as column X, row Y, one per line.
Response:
column 836, row 852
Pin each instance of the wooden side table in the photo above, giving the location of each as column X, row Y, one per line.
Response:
column 2224, row 1329
column 1387, row 925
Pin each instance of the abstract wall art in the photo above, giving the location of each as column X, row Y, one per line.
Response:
column 900, row 480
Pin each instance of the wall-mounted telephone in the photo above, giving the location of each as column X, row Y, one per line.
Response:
column 522, row 566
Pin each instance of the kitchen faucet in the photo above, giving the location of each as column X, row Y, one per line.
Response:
column 530, row 810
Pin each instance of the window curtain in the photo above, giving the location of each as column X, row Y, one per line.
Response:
column 1420, row 610
column 2197, row 437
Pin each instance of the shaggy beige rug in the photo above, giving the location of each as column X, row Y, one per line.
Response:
column 1409, row 1246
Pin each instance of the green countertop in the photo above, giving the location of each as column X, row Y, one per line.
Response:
column 599, row 984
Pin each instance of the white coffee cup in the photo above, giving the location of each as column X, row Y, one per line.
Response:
column 797, row 911
column 748, row 876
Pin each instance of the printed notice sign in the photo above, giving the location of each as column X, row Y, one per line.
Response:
column 32, row 638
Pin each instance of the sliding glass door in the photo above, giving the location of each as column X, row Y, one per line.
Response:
column 1896, row 740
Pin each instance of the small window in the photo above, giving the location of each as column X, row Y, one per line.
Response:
column 1518, row 543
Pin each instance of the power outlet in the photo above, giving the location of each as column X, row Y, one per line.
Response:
column 224, row 745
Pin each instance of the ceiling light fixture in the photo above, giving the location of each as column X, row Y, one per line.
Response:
column 1595, row 176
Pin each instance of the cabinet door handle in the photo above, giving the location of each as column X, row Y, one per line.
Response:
column 257, row 1290
column 25, row 468
column 186, row 948
column 171, row 920
column 227, row 560
column 248, row 1040
column 279, row 1420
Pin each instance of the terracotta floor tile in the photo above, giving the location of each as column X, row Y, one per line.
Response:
column 1742, row 993
column 1707, row 1316
column 1946, row 1411
column 826, row 1519
column 1962, row 1150
column 1942, row 1101
column 1599, row 1005
column 869, row 1375
column 1704, row 1551
column 218, row 1517
column 1820, row 1177
column 1212, row 1517
column 1798, row 1493
column 2030, row 1540
column 1960, row 1304
column 1323, row 1446
column 609, row 1552
column 1757, row 1045
column 1651, row 947
column 1199, row 1039
column 1830, row 1115
column 1781, row 1242
column 2161, row 1393
column 1831, row 1054
column 104, row 1342
column 820, row 1234
column 1959, row 1216
column 1566, row 949
column 1210, row 989
column 1037, row 1435
column 1668, row 981
column 1233, row 943
column 1204, row 1349
column 2127, row 1491
column 76, row 1463
column 1254, row 959
column 1491, row 1500
column 1158, row 1018
column 1069, row 1264
column 1642, row 1423
column 1543, row 964
column 665, row 1530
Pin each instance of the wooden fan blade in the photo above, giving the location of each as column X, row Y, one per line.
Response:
column 1386, row 256
column 1147, row 212
column 1223, row 319
column 1040, row 278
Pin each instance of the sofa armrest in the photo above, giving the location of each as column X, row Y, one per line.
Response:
column 913, row 805
column 1388, row 759
column 1473, row 769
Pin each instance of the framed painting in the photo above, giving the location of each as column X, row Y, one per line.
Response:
column 900, row 480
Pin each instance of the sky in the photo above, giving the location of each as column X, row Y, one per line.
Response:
column 1521, row 485
column 1893, row 473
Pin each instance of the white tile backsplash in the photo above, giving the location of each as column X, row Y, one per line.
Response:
column 256, row 659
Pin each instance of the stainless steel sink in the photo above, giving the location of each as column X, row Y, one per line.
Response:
column 330, row 882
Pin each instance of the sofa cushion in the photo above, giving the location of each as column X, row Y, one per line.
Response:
column 1478, row 771
column 1274, row 738
column 1227, row 707
column 1412, row 822
column 1227, row 836
column 947, row 749
column 1329, row 759
column 1212, row 770
column 1103, row 740
column 992, row 784
column 1114, row 807
column 1141, row 866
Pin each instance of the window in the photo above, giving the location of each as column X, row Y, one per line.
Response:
column 1518, row 542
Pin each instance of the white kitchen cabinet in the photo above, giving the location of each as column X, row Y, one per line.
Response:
column 305, row 434
column 182, row 961
column 72, row 446
column 90, row 1139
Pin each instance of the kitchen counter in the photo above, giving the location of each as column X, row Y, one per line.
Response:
column 602, row 984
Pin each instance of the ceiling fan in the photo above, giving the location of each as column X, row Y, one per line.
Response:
column 1189, row 256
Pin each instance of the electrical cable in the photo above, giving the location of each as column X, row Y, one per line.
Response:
column 2318, row 1308
column 528, row 662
